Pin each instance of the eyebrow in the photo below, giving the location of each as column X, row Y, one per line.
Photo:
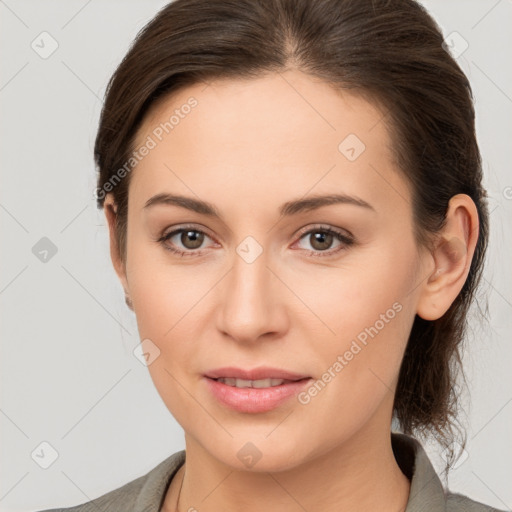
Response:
column 287, row 209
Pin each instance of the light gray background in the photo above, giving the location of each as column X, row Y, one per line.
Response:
column 68, row 373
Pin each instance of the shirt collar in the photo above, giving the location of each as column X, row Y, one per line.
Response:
column 426, row 492
column 152, row 494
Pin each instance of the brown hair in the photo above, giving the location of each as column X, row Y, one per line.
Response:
column 389, row 50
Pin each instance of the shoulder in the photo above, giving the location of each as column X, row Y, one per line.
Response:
column 144, row 493
column 458, row 503
column 123, row 496
column 113, row 500
column 427, row 492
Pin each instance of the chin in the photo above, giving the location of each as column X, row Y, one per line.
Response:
column 258, row 455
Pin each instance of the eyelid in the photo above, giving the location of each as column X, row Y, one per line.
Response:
column 190, row 227
column 342, row 235
column 300, row 233
column 325, row 227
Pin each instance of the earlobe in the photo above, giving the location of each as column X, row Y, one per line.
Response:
column 110, row 208
column 452, row 255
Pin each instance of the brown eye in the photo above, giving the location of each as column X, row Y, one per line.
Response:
column 320, row 240
column 191, row 239
column 184, row 241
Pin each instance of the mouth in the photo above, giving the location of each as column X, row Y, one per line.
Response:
column 254, row 391
column 255, row 374
column 259, row 383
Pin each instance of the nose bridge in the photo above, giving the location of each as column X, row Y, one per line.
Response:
column 249, row 305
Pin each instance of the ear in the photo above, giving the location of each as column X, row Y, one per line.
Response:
column 110, row 208
column 450, row 259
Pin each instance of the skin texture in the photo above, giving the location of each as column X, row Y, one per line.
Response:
column 248, row 147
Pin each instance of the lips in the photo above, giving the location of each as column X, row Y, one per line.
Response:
column 260, row 373
column 251, row 399
column 260, row 383
column 254, row 391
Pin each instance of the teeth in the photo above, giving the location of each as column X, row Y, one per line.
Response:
column 242, row 383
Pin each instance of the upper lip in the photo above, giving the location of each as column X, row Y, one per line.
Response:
column 263, row 372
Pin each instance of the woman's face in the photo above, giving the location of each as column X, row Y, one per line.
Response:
column 263, row 284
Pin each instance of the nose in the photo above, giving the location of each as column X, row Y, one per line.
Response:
column 251, row 302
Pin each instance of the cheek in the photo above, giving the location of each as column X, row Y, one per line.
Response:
column 367, row 310
column 167, row 302
column 164, row 293
column 360, row 296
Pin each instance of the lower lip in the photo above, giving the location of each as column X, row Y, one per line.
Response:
column 254, row 399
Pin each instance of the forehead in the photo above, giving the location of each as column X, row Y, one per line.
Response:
column 288, row 129
column 272, row 104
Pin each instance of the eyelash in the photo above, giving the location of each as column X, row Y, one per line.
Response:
column 346, row 240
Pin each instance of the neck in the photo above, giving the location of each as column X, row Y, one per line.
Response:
column 361, row 474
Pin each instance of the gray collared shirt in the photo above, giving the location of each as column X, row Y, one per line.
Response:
column 147, row 493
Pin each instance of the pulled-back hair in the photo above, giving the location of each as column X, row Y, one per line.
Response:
column 389, row 51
